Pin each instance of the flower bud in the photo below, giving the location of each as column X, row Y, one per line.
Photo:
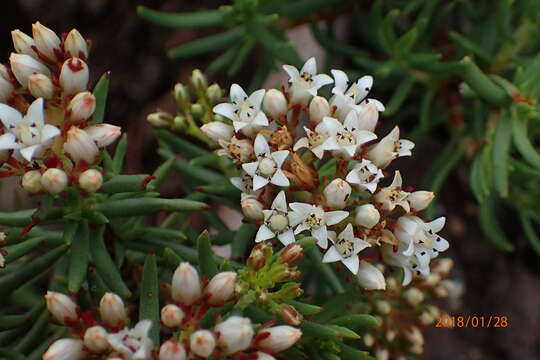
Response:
column 6, row 87
column 221, row 288
column 40, row 85
column 382, row 153
column 367, row 216
column 74, row 76
column 80, row 145
column 112, row 310
column 257, row 257
column 369, row 340
column 172, row 350
column 62, row 308
column 54, row 181
column 275, row 103
column 160, row 119
column 383, row 307
column 336, row 193
column 369, row 277
column 75, row 45
column 217, row 130
column 318, row 109
column 214, row 93
column 290, row 315
column 426, row 318
column 95, row 339
column 90, row 180
column 442, row 266
column 65, row 349
column 23, row 43
column 252, row 208
column 263, row 356
column 24, row 65
column 382, row 354
column 179, row 123
column 202, row 343
column 186, row 284
column 181, row 95
column 172, row 316
column 198, row 79
column 419, row 200
column 197, row 110
column 104, row 134
column 291, row 254
column 47, row 42
column 82, row 106
column 413, row 296
column 235, row 334
column 414, row 335
column 278, row 338
column 368, row 118
column 31, row 181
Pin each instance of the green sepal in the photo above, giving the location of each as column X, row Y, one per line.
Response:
column 101, row 91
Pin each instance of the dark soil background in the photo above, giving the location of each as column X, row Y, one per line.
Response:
column 142, row 77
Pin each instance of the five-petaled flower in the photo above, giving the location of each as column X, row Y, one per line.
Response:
column 365, row 175
column 304, row 84
column 392, row 196
column 276, row 222
column 314, row 140
column 133, row 344
column 345, row 249
column 346, row 137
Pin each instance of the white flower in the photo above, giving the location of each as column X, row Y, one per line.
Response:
column 63, row 309
column 243, row 111
column 95, row 339
column 347, row 97
column 314, row 140
column 319, row 108
column 65, row 349
column 47, row 42
column 345, row 249
column 234, row 334
column 278, row 338
column 23, row 43
column 28, row 134
column 275, row 103
column 369, row 277
column 251, row 207
column 112, row 310
column 346, row 137
column 217, row 130
column 367, row 216
column 267, row 168
column 276, row 222
column 75, row 45
column 304, row 84
column 172, row 316
column 392, row 196
column 389, row 148
column 186, row 284
column 104, row 134
column 54, row 180
column 220, row 288
column 202, row 343
column 74, row 76
column 244, row 184
column 239, row 150
column 315, row 219
column 80, row 146
column 133, row 344
column 337, row 193
column 365, row 175
column 394, row 257
column 419, row 200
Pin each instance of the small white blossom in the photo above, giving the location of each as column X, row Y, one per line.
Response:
column 186, row 284
column 319, row 108
column 133, row 344
column 304, row 84
column 217, row 130
column 220, row 288
column 395, row 257
column 392, row 196
column 65, row 349
column 235, row 334
column 54, row 180
column 345, row 249
column 369, row 277
column 337, row 193
column 95, row 339
column 419, row 200
column 365, row 175
column 239, row 150
column 275, row 103
column 314, row 140
column 389, row 148
column 367, row 216
column 267, row 168
column 202, row 343
column 346, row 95
column 251, row 207
column 346, row 137
column 28, row 134
column 25, row 65
column 112, row 310
column 276, row 222
column 314, row 219
column 243, row 111
column 278, row 338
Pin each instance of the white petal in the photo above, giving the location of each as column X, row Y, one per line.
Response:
column 330, row 144
column 250, row 168
column 256, row 98
column 407, row 276
column 310, row 66
column 300, row 228
column 318, row 151
column 237, row 183
column 437, row 224
column 371, row 187
column 301, row 143
column 364, row 84
column 440, row 244
column 227, row 110
column 322, row 80
column 295, row 218
column 259, row 182
column 28, row 152
column 331, row 255
column 363, row 136
column 237, row 94
column 280, row 179
column 280, row 202
column 332, row 125
column 261, row 146
column 287, row 237
column 260, row 119
column 264, row 233
column 352, row 177
column 350, row 150
column 341, row 81
column 397, row 182
column 321, row 234
column 8, row 141
column 360, row 245
column 34, row 114
column 239, row 125
column 379, row 105
column 301, row 208
column 352, row 263
column 48, row 132
column 9, row 116
column 280, row 156
column 334, row 217
column 292, row 72
column 347, row 233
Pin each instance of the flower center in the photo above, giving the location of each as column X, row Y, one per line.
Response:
column 345, row 138
column 267, row 167
column 345, row 247
column 314, row 221
column 29, row 135
column 278, row 222
column 315, row 139
column 307, row 77
column 396, row 195
column 247, row 112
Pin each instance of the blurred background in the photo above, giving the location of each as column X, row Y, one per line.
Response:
column 134, row 51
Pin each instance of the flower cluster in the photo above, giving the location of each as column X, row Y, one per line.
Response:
column 49, row 136
column 106, row 334
column 312, row 165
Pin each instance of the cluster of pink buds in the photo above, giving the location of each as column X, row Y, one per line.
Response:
column 46, row 111
column 312, row 165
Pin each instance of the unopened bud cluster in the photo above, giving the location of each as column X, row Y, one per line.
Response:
column 45, row 110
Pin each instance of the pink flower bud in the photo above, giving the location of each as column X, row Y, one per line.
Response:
column 252, row 208
column 6, row 87
column 369, row 277
column 95, row 339
column 186, row 284
column 90, row 180
column 202, row 343
column 24, row 65
column 368, row 117
column 54, row 181
column 74, row 76
column 235, row 334
column 75, row 45
column 172, row 350
column 318, row 109
column 277, row 338
column 31, row 181
column 172, row 316
column 82, row 106
column 80, row 146
column 63, row 309
column 112, row 310
column 65, row 349
column 419, row 200
column 367, row 216
column 291, row 254
column 290, row 315
column 216, row 130
column 275, row 103
column 104, row 134
column 40, row 85
column 23, row 43
column 221, row 288
column 47, row 42
column 336, row 193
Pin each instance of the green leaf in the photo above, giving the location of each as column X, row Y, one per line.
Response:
column 179, row 145
column 356, row 322
column 79, row 257
column 17, row 251
column 325, row 270
column 119, row 155
column 481, row 84
column 33, row 336
column 144, row 206
column 521, row 139
column 206, row 255
column 530, row 232
column 207, row 44
column 192, row 20
column 241, row 56
column 500, row 154
column 96, row 285
column 470, row 46
column 303, row 308
column 280, row 49
column 223, row 60
column 100, row 92
column 350, row 353
column 126, row 183
column 16, row 218
column 149, row 298
column 161, row 173
column 399, row 96
column 320, row 331
column 242, row 239
column 491, row 227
